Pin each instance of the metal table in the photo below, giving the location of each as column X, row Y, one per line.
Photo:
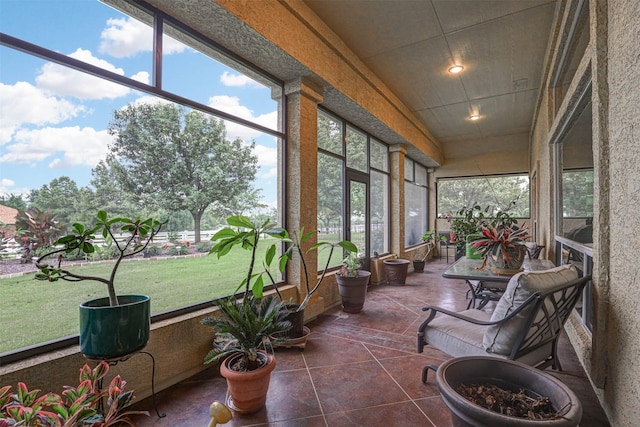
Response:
column 468, row 270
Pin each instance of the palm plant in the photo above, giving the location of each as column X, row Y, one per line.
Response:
column 245, row 327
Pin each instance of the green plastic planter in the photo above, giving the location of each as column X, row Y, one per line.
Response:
column 110, row 332
column 471, row 252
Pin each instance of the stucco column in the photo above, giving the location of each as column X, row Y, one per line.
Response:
column 302, row 171
column 397, row 154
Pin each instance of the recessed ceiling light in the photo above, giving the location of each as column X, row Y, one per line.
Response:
column 456, row 69
column 474, row 117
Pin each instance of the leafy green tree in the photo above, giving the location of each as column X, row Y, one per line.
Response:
column 498, row 193
column 177, row 160
column 13, row 201
column 59, row 197
column 577, row 193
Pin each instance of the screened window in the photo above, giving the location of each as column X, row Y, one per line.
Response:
column 508, row 193
column 197, row 143
column 415, row 205
column 353, row 187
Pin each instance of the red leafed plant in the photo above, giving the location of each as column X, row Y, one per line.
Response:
column 78, row 406
column 507, row 242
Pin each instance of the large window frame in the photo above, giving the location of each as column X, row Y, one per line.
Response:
column 376, row 163
column 160, row 22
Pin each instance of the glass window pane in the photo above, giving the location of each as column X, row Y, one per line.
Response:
column 379, row 213
column 415, row 214
column 88, row 31
column 506, row 193
column 358, row 200
column 421, row 175
column 357, row 152
column 330, row 204
column 379, row 155
column 408, row 169
column 226, row 86
column 329, row 133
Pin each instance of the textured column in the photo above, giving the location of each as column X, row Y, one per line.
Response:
column 302, row 170
column 397, row 154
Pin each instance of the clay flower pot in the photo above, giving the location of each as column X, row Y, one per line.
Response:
column 247, row 390
column 396, row 271
column 353, row 291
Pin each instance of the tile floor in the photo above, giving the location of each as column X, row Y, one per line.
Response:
column 358, row 369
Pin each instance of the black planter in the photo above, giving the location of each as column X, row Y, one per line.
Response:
column 508, row 375
column 353, row 291
column 396, row 271
column 297, row 322
column 110, row 332
column 418, row 265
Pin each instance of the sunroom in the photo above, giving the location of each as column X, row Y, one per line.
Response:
column 360, row 126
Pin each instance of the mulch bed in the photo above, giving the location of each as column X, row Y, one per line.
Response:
column 509, row 403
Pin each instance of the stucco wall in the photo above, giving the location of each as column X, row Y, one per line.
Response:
column 622, row 390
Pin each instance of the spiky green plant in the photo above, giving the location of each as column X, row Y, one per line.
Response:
column 246, row 326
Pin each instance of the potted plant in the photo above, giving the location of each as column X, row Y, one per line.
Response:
column 262, row 274
column 113, row 326
column 244, row 326
column 395, row 270
column 503, row 248
column 297, row 241
column 430, row 238
column 76, row 406
column 466, row 227
column 352, row 284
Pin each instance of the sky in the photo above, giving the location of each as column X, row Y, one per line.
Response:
column 53, row 120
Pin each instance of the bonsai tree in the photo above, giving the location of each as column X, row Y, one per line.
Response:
column 141, row 232
column 76, row 406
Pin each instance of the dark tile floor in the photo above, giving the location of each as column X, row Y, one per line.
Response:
column 358, row 369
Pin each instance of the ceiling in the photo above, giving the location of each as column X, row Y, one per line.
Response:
column 410, row 44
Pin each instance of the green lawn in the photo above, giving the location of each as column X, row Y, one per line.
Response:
column 32, row 311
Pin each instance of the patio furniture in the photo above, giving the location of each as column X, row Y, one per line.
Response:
column 524, row 326
column 485, row 284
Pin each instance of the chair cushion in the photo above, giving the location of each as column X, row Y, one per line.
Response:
column 501, row 338
column 457, row 337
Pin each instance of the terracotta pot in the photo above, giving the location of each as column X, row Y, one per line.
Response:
column 396, row 271
column 247, row 390
column 353, row 291
column 506, row 374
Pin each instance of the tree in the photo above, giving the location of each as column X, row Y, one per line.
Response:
column 59, row 197
column 13, row 201
column 178, row 160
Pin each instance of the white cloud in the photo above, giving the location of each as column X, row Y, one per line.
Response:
column 149, row 100
column 125, row 37
column 231, row 105
column 267, row 156
column 67, row 146
column 65, row 81
column 142, row 77
column 238, row 80
column 23, row 103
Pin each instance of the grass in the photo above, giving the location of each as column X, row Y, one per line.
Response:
column 33, row 311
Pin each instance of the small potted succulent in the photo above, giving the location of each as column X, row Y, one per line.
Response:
column 352, row 284
column 112, row 326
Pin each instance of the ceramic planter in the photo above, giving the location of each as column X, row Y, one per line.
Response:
column 499, row 265
column 109, row 332
column 510, row 375
column 353, row 291
column 247, row 390
column 396, row 271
